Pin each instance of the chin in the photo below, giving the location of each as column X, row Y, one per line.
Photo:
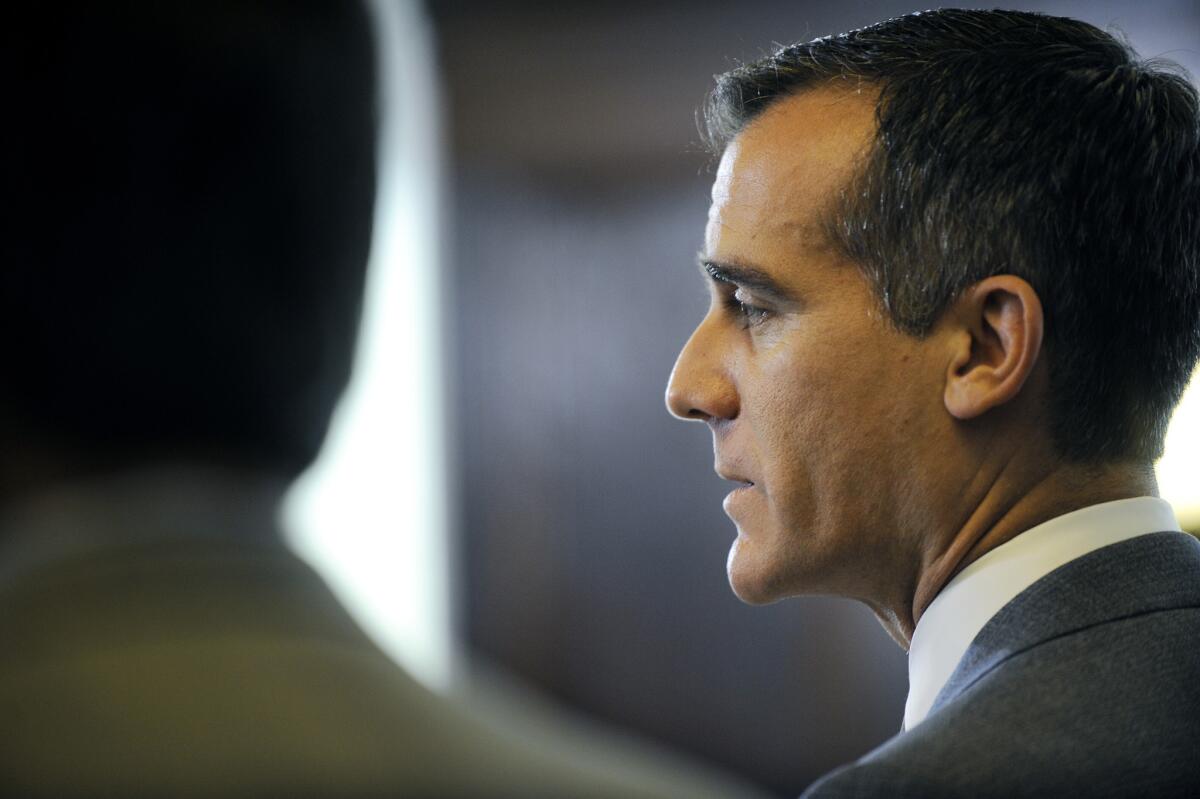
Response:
column 752, row 582
column 751, row 594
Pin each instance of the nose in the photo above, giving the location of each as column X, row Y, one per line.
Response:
column 699, row 388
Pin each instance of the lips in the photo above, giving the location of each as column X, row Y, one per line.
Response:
column 740, row 499
column 735, row 478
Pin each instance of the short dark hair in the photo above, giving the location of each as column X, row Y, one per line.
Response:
column 191, row 188
column 1018, row 143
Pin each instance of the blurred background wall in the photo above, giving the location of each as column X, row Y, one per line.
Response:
column 587, row 539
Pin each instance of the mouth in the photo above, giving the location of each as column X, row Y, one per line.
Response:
column 741, row 497
column 738, row 501
column 736, row 478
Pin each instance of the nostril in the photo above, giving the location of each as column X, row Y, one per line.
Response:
column 701, row 397
column 679, row 404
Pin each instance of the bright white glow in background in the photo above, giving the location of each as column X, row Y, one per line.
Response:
column 370, row 515
column 1179, row 469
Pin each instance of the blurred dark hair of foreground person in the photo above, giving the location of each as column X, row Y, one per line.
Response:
column 190, row 201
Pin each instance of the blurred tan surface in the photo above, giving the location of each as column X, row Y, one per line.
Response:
column 202, row 665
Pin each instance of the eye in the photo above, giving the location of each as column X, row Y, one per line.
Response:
column 749, row 314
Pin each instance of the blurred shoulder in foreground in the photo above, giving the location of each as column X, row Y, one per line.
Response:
column 191, row 192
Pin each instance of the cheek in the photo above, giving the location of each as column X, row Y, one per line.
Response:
column 826, row 425
column 800, row 425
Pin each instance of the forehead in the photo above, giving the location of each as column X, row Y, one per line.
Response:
column 782, row 171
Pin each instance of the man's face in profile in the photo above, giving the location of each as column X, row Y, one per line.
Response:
column 817, row 406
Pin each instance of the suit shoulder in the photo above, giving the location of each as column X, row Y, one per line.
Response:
column 1110, row 710
column 877, row 779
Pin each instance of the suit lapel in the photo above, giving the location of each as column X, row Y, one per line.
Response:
column 1139, row 575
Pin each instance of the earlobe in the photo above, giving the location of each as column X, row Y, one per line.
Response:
column 995, row 341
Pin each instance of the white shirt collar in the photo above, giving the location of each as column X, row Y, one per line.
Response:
column 979, row 591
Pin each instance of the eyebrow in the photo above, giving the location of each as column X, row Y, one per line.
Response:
column 752, row 278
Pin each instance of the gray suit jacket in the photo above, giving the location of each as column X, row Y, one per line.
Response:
column 1086, row 684
column 226, row 668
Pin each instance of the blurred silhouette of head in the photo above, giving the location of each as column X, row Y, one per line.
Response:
column 191, row 189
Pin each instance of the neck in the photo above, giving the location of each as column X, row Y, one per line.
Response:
column 1016, row 499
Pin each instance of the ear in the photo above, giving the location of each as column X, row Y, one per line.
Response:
column 996, row 340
